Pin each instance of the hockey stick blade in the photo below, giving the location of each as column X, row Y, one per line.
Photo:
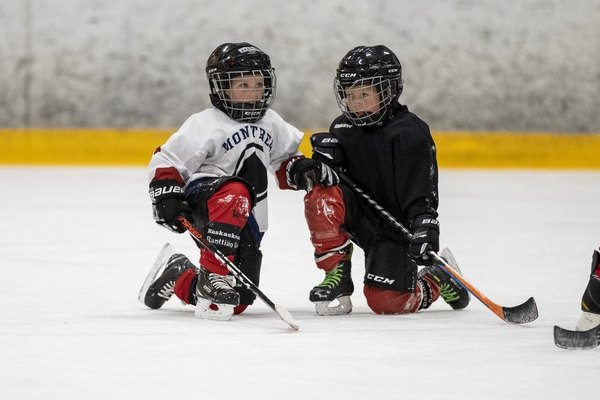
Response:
column 521, row 314
column 572, row 340
column 239, row 275
column 285, row 315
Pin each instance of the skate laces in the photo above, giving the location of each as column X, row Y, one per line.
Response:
column 448, row 292
column 219, row 282
column 333, row 277
column 167, row 290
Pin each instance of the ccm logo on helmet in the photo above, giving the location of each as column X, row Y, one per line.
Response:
column 380, row 279
column 247, row 49
column 348, row 75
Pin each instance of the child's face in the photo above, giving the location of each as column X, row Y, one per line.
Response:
column 362, row 100
column 246, row 89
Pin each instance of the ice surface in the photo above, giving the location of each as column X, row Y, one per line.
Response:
column 76, row 244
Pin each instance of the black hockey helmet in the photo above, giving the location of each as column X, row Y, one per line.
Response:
column 232, row 60
column 375, row 66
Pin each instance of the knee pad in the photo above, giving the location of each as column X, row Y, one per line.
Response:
column 385, row 301
column 230, row 204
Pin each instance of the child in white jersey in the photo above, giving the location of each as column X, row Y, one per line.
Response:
column 213, row 170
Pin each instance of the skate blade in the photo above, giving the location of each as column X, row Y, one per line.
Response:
column 447, row 255
column 161, row 262
column 343, row 306
column 204, row 311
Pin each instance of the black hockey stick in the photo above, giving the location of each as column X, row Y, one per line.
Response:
column 283, row 313
column 567, row 339
column 520, row 314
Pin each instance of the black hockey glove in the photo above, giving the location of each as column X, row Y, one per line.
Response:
column 426, row 237
column 168, row 203
column 327, row 148
column 304, row 173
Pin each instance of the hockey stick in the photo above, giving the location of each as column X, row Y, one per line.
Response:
column 520, row 314
column 283, row 313
column 567, row 339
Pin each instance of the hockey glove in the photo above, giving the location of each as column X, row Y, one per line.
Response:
column 168, row 203
column 327, row 148
column 425, row 238
column 304, row 173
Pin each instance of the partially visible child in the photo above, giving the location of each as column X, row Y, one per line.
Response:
column 590, row 303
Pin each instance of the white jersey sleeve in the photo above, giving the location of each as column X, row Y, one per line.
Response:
column 185, row 150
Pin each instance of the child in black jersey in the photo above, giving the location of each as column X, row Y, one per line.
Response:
column 388, row 152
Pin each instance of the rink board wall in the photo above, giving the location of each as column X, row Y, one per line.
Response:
column 468, row 65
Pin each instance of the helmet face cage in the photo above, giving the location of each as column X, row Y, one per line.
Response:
column 386, row 90
column 250, row 111
column 375, row 69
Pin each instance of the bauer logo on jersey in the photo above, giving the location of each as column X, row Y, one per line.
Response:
column 247, row 132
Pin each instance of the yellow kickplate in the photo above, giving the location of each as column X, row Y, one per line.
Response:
column 454, row 149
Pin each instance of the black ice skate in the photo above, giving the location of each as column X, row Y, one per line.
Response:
column 451, row 290
column 215, row 296
column 337, row 285
column 590, row 302
column 168, row 267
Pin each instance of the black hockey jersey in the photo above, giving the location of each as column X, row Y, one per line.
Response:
column 395, row 163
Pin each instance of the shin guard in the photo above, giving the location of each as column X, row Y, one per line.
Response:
column 228, row 211
column 325, row 212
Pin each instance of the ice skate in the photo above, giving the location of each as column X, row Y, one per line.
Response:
column 451, row 290
column 168, row 267
column 335, row 288
column 215, row 296
column 590, row 302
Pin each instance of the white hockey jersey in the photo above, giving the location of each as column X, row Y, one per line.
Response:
column 210, row 144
